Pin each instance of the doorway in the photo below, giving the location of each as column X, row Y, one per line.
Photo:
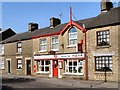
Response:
column 55, row 68
column 28, row 67
column 8, row 66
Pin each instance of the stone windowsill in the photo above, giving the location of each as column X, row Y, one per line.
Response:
column 102, row 72
column 98, row 47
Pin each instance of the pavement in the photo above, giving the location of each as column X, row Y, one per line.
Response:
column 72, row 83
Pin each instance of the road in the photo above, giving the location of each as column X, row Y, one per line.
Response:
column 16, row 83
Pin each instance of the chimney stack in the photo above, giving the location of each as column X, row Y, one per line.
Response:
column 106, row 5
column 32, row 26
column 54, row 22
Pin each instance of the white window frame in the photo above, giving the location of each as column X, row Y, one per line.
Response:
column 40, row 66
column 73, row 38
column 19, row 47
column 19, row 63
column 101, row 61
column 1, row 49
column 2, row 63
column 54, row 43
column 78, row 65
column 43, row 44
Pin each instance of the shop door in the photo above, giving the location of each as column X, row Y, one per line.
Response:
column 8, row 66
column 55, row 68
column 28, row 67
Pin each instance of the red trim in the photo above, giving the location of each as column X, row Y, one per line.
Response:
column 63, row 30
column 85, row 68
column 70, row 24
column 46, row 35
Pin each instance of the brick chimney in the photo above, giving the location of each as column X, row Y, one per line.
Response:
column 32, row 26
column 54, row 22
column 106, row 5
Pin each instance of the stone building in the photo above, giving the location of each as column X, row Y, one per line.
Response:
column 4, row 34
column 68, row 50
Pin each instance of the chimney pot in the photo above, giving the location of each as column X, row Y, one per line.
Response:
column 54, row 22
column 106, row 5
column 32, row 26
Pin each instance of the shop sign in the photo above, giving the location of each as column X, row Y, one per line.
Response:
column 61, row 56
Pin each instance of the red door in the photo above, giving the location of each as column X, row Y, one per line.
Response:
column 55, row 68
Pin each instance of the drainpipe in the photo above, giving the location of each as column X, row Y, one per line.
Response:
column 85, row 65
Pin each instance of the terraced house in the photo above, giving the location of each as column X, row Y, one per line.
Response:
column 68, row 50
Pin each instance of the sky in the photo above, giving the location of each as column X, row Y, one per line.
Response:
column 17, row 15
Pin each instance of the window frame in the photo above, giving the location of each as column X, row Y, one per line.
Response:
column 55, row 43
column 19, row 63
column 1, row 49
column 104, row 38
column 101, row 63
column 19, row 47
column 69, row 38
column 42, row 44
column 39, row 64
column 67, row 67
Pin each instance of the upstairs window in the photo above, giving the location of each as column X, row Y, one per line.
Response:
column 43, row 44
column 72, row 36
column 54, row 43
column 19, row 47
column 103, row 38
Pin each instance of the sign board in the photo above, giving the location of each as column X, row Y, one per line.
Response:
column 61, row 56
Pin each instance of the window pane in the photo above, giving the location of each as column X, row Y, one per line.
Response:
column 74, row 66
column 42, row 68
column 70, row 69
column 72, row 36
column 19, row 44
column 54, row 43
column 42, row 62
column 72, row 30
column 47, row 63
column 102, row 62
column 74, row 69
column 103, row 38
column 46, row 69
column 19, row 66
column 75, row 63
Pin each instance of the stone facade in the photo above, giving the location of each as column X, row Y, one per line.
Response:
column 11, row 55
column 112, row 48
column 66, row 61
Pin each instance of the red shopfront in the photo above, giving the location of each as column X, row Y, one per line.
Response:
column 57, row 61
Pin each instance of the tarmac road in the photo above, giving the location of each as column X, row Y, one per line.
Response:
column 33, row 83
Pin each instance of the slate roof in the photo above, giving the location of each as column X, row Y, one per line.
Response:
column 103, row 19
column 6, row 33
column 111, row 17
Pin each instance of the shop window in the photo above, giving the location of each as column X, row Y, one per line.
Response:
column 72, row 36
column 103, row 38
column 43, row 44
column 19, row 47
column 73, row 66
column 43, row 66
column 19, row 63
column 54, row 43
column 103, row 62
